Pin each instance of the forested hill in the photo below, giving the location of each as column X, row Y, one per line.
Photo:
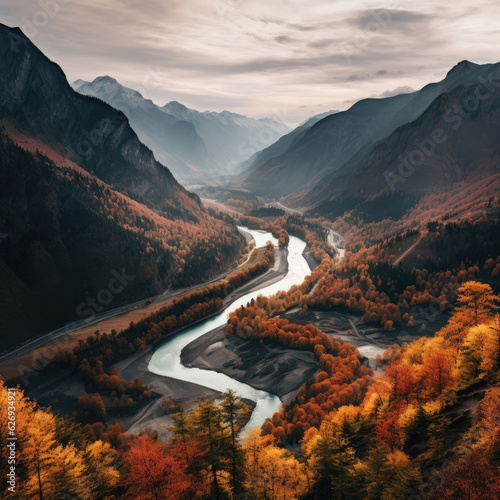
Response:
column 81, row 199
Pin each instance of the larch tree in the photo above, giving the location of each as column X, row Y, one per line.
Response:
column 101, row 461
column 37, row 453
column 253, row 447
column 438, row 372
column 234, row 414
column 477, row 300
column 70, row 475
column 208, row 426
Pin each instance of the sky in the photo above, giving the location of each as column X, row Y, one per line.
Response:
column 286, row 59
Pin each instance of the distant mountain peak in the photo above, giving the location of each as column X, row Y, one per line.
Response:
column 113, row 92
column 176, row 105
column 105, row 79
column 462, row 67
column 78, row 82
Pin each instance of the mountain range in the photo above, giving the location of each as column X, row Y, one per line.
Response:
column 83, row 194
column 195, row 145
column 306, row 159
column 445, row 150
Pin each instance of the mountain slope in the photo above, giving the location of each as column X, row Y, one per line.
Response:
column 37, row 99
column 324, row 146
column 281, row 145
column 83, row 203
column 444, row 150
column 174, row 142
column 331, row 142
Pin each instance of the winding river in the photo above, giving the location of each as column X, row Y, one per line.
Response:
column 166, row 360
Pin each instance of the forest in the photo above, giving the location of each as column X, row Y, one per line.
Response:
column 67, row 231
column 424, row 424
column 154, row 345
column 427, row 426
column 367, row 281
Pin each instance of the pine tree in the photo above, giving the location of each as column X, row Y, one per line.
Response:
column 335, row 462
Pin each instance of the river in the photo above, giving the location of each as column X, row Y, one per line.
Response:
column 166, row 360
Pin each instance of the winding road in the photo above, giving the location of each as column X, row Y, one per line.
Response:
column 75, row 326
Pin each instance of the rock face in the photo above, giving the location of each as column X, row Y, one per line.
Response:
column 327, row 145
column 36, row 98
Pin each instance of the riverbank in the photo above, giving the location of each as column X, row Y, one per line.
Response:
column 34, row 356
column 266, row 366
column 61, row 390
column 153, row 416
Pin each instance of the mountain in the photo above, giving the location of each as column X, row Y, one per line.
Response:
column 447, row 150
column 229, row 137
column 328, row 144
column 174, row 142
column 280, row 146
column 37, row 100
column 195, row 145
column 89, row 220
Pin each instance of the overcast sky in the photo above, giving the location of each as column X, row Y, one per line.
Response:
column 284, row 58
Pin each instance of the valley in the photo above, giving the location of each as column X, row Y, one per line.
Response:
column 26, row 361
column 299, row 304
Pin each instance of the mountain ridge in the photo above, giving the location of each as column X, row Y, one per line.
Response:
column 426, row 156
column 184, row 153
column 331, row 142
column 215, row 145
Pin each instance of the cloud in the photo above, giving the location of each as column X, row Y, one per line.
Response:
column 403, row 89
column 284, row 39
column 383, row 73
column 359, row 77
column 380, row 18
column 254, row 57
